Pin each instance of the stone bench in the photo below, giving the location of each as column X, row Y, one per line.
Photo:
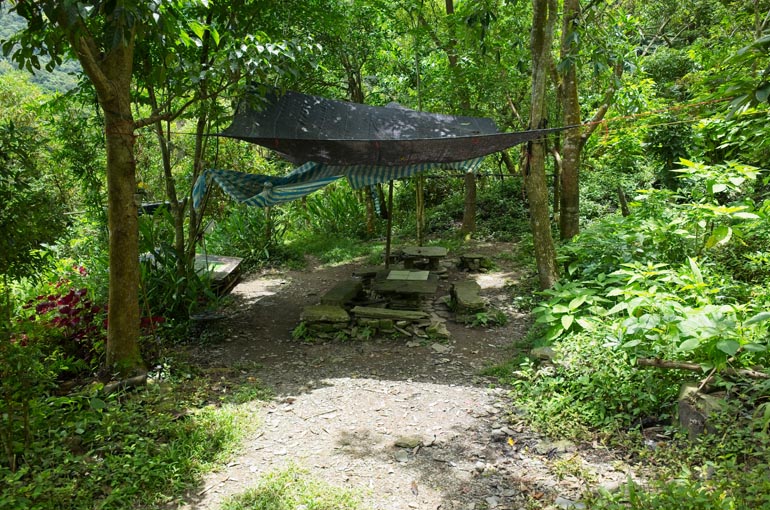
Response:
column 465, row 297
column 342, row 293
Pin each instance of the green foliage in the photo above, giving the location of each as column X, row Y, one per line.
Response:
column 590, row 387
column 249, row 233
column 292, row 488
column 486, row 319
column 726, row 469
column 25, row 374
column 500, row 209
column 656, row 283
column 142, row 449
column 31, row 213
column 170, row 287
column 334, row 211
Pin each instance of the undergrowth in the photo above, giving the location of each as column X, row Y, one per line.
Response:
column 141, row 448
column 293, row 488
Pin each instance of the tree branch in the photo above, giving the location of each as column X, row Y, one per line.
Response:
column 694, row 367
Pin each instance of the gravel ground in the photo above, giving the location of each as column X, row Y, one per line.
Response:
column 408, row 425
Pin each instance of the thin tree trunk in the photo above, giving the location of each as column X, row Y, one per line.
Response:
column 557, row 166
column 469, row 213
column 569, row 217
column 177, row 211
column 543, row 20
column 420, row 206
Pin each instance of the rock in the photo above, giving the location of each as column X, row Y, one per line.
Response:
column 438, row 329
column 401, row 456
column 561, row 502
column 697, row 408
column 413, row 343
column 561, row 446
column 387, row 313
column 543, row 353
column 441, row 348
column 479, row 467
column 344, row 292
column 408, row 442
column 324, row 313
column 492, row 502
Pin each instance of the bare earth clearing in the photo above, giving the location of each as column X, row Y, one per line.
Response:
column 406, row 427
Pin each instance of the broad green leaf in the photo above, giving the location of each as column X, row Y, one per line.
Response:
column 615, row 309
column 585, row 323
column 632, row 343
column 197, row 28
column 575, row 303
column 566, row 321
column 560, row 309
column 721, row 235
column 763, row 92
column 98, row 404
column 754, row 347
column 689, row 344
column 744, row 215
column 718, row 188
column 760, row 317
column 554, row 333
column 695, row 270
column 729, row 347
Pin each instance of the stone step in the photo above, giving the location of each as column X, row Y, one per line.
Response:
column 387, row 313
column 324, row 313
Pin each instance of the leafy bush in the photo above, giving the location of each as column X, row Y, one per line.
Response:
column 138, row 450
column 335, row 210
column 591, row 386
column 249, row 233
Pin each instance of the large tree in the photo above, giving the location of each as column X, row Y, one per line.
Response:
column 544, row 16
column 106, row 37
column 102, row 36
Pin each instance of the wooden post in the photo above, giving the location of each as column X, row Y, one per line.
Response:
column 420, row 206
column 390, row 225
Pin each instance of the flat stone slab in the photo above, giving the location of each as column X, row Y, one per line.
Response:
column 324, row 313
column 406, row 274
column 368, row 272
column 424, row 251
column 465, row 295
column 342, row 293
column 406, row 287
column 369, row 312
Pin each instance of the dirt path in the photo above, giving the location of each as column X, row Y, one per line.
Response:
column 407, row 427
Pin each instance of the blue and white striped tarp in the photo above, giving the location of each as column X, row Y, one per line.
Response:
column 264, row 190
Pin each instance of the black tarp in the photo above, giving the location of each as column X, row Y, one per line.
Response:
column 310, row 128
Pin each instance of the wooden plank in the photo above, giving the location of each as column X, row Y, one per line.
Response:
column 386, row 313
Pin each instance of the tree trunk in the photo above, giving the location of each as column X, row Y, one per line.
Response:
column 110, row 73
column 123, row 316
column 469, row 214
column 543, row 19
column 569, row 210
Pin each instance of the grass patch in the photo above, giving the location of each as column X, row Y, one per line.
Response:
column 332, row 249
column 293, row 488
column 140, row 449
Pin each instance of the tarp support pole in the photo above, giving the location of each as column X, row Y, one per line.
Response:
column 390, row 225
column 420, row 190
